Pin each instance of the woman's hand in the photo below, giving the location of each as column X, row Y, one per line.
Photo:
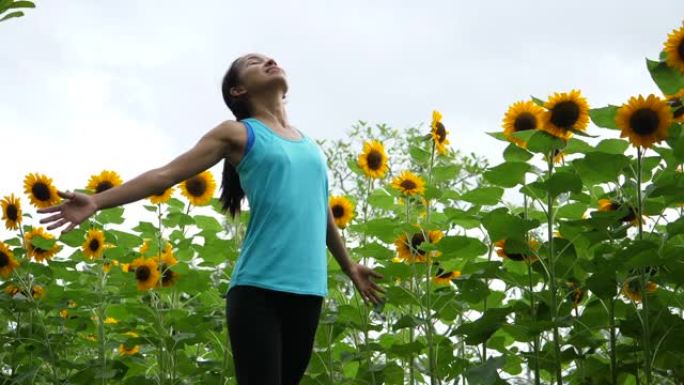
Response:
column 76, row 209
column 361, row 276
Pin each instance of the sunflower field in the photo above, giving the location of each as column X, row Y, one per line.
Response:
column 562, row 264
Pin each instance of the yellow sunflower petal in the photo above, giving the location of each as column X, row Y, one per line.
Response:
column 644, row 121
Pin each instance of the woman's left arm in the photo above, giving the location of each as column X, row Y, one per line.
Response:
column 359, row 274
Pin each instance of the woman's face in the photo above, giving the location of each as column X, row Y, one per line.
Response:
column 259, row 73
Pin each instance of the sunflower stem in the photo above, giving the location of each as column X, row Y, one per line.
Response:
column 428, row 288
column 412, row 373
column 533, row 310
column 613, row 353
column 552, row 276
column 363, row 261
column 643, row 279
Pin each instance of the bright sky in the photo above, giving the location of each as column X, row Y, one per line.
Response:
column 129, row 85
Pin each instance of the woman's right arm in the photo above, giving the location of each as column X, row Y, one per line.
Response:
column 208, row 151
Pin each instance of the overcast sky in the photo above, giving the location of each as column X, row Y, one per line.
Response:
column 128, row 85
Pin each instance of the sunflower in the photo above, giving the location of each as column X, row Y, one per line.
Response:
column 607, row 205
column 103, row 181
column 36, row 252
column 167, row 276
column 674, row 48
column 575, row 293
column 11, row 212
column 566, row 112
column 373, row 159
column 522, row 116
column 558, row 156
column 124, row 351
column 410, row 251
column 7, row 261
column 107, row 266
column 11, row 289
column 93, row 246
column 439, row 132
column 146, row 272
column 199, row 189
column 676, row 102
column 132, row 334
column 409, row 183
column 644, row 121
column 64, row 313
column 444, row 277
column 37, row 292
column 40, row 190
column 111, row 320
column 163, row 197
column 631, row 289
column 502, row 252
column 342, row 210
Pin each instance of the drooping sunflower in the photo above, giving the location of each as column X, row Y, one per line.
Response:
column 575, row 294
column 199, row 189
column 40, row 190
column 644, row 120
column 146, row 272
column 107, row 265
column 439, row 132
column 37, row 292
column 607, row 205
column 674, row 48
column 36, row 252
column 409, row 183
column 342, row 210
column 103, row 181
column 676, row 102
column 7, row 261
column 167, row 276
column 565, row 112
column 163, row 197
column 522, row 116
column 445, row 277
column 631, row 289
column 93, row 247
column 558, row 156
column 410, row 251
column 373, row 159
column 501, row 251
column 126, row 351
column 11, row 212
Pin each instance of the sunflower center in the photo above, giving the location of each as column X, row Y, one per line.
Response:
column 94, row 245
column 4, row 259
column 440, row 131
column 408, row 185
column 644, row 121
column 12, row 212
column 416, row 240
column 338, row 211
column 41, row 191
column 196, row 186
column 374, row 160
column 524, row 122
column 680, row 49
column 102, row 186
column 565, row 114
column 167, row 274
column 142, row 273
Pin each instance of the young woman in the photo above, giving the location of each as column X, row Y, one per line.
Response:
column 278, row 284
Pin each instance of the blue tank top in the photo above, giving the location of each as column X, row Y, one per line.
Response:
column 286, row 184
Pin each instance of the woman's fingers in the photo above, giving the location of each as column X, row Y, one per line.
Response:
column 377, row 287
column 56, row 225
column 52, row 218
column 65, row 194
column 49, row 209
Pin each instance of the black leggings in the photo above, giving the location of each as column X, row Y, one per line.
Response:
column 271, row 334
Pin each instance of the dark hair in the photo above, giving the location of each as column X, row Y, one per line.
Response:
column 232, row 193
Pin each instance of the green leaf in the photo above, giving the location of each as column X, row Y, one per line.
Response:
column 111, row 215
column 445, row 173
column 486, row 374
column 577, row 146
column 460, row 246
column 208, row 223
column 537, row 101
column 603, row 284
column 561, row 182
column 507, row 174
column 613, row 146
column 668, row 79
column 502, row 225
column 126, row 240
column 479, row 331
column 604, row 116
column 543, row 142
column 514, row 153
column 73, row 238
column 40, row 242
column 483, row 195
column 11, row 15
column 499, row 135
column 599, row 167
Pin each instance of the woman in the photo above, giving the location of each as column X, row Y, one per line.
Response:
column 280, row 279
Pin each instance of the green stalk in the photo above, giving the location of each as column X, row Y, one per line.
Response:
column 552, row 277
column 613, row 358
column 428, row 288
column 100, row 325
column 643, row 279
column 412, row 373
column 533, row 310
